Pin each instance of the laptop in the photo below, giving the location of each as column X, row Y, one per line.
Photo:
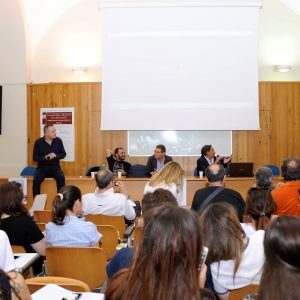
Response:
column 240, row 170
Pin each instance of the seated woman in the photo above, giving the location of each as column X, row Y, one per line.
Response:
column 281, row 273
column 166, row 261
column 123, row 258
column 66, row 229
column 235, row 261
column 170, row 178
column 18, row 225
column 260, row 208
column 13, row 286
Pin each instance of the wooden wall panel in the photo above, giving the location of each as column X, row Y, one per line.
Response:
column 278, row 138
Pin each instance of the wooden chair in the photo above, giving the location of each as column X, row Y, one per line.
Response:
column 41, row 226
column 238, row 294
column 18, row 249
column 117, row 221
column 137, row 234
column 74, row 285
column 42, row 216
column 83, row 263
column 109, row 240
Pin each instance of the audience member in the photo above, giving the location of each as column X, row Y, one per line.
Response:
column 66, row 229
column 18, row 225
column 47, row 152
column 170, row 178
column 260, row 207
column 123, row 258
column 20, row 186
column 13, row 286
column 105, row 201
column 281, row 273
column 158, row 160
column 286, row 196
column 235, row 261
column 215, row 192
column 208, row 158
column 117, row 161
column 166, row 260
column 7, row 262
column 263, row 178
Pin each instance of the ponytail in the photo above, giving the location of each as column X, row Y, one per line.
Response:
column 64, row 201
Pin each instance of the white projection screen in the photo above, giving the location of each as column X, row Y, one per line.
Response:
column 180, row 66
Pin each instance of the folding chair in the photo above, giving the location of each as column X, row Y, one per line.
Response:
column 109, row 240
column 74, row 285
column 42, row 216
column 82, row 263
column 238, row 294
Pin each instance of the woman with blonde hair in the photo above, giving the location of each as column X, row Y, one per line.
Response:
column 170, row 178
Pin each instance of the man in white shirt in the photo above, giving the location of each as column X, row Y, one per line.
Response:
column 105, row 201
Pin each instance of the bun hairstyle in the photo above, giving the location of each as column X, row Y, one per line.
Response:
column 64, row 201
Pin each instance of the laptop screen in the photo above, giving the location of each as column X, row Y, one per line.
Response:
column 241, row 170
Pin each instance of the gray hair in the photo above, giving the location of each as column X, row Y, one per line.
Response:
column 263, row 177
column 291, row 168
column 215, row 173
column 104, row 178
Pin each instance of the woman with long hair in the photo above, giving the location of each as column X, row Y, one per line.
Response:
column 13, row 286
column 235, row 260
column 260, row 207
column 281, row 273
column 166, row 260
column 170, row 177
column 66, row 228
column 18, row 225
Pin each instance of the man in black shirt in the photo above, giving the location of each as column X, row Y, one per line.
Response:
column 215, row 176
column 47, row 152
column 117, row 161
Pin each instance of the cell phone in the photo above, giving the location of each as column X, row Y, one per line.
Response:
column 73, row 296
column 203, row 257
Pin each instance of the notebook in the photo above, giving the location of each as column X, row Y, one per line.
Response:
column 241, row 169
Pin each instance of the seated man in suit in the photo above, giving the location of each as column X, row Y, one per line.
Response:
column 158, row 160
column 208, row 158
column 105, row 201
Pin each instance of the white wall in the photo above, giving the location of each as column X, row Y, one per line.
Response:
column 13, row 140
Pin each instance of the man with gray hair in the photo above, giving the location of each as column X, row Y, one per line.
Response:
column 263, row 178
column 105, row 201
column 216, row 192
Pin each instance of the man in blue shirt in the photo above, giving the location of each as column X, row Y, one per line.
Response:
column 47, row 152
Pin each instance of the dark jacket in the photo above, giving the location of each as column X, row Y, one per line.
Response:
column 152, row 162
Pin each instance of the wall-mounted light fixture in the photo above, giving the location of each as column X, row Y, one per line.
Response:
column 79, row 70
column 281, row 68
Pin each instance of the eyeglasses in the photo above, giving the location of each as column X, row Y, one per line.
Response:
column 25, row 197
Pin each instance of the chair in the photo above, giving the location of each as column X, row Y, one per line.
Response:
column 137, row 234
column 238, row 294
column 117, row 221
column 18, row 249
column 41, row 226
column 274, row 169
column 28, row 171
column 74, row 285
column 92, row 169
column 82, row 263
column 109, row 240
column 42, row 216
column 38, row 203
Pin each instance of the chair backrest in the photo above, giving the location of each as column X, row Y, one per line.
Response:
column 42, row 216
column 92, row 169
column 109, row 240
column 117, row 221
column 74, row 285
column 41, row 226
column 38, row 203
column 28, row 171
column 238, row 294
column 137, row 234
column 83, row 263
column 274, row 169
column 18, row 249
